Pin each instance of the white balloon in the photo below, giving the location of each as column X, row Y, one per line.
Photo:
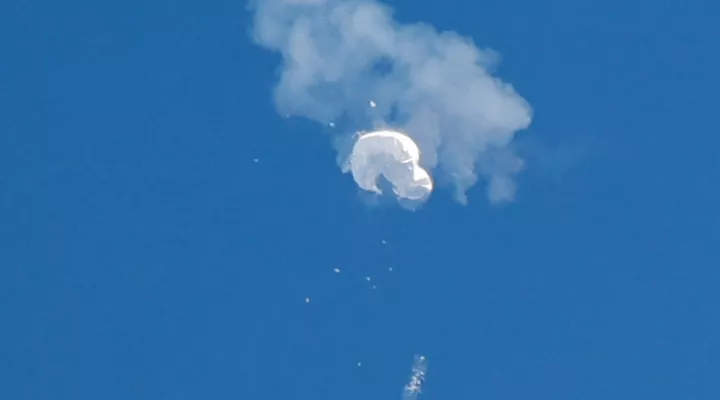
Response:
column 393, row 155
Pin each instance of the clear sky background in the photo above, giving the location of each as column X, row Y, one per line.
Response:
column 144, row 255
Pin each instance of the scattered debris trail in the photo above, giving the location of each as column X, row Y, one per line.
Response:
column 414, row 387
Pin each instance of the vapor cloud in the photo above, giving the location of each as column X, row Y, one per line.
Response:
column 433, row 86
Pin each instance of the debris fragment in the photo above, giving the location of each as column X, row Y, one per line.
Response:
column 414, row 387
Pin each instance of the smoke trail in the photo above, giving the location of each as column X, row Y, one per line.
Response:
column 412, row 389
column 432, row 85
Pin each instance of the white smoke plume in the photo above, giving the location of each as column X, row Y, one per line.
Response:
column 433, row 86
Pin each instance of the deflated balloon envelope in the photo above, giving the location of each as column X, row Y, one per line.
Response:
column 393, row 155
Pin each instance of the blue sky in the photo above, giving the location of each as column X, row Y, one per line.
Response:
column 143, row 254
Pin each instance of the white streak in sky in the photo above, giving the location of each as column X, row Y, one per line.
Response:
column 414, row 387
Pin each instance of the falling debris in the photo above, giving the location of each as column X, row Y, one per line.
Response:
column 394, row 156
column 417, row 377
column 390, row 269
column 336, row 270
column 367, row 278
column 307, row 300
column 384, row 241
column 374, row 287
column 359, row 364
column 256, row 160
column 331, row 124
column 373, row 104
